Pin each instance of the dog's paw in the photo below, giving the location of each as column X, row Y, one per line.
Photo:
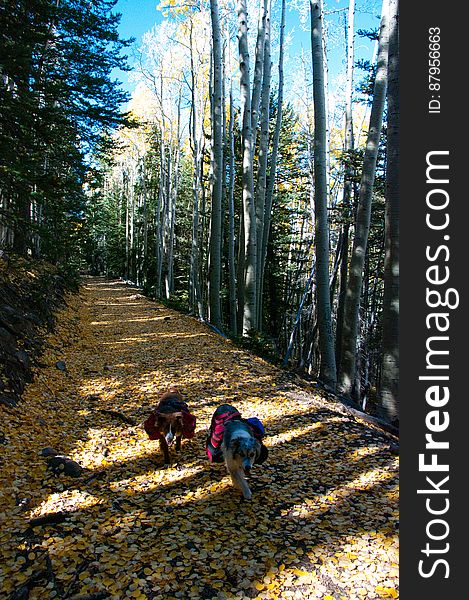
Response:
column 247, row 496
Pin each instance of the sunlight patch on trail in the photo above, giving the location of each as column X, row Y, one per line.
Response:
column 292, row 434
column 323, row 519
column 66, row 501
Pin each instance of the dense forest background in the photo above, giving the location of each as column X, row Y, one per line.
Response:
column 226, row 188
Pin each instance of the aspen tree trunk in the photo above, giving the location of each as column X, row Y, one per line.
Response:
column 6, row 232
column 362, row 222
column 132, row 226
column 195, row 300
column 224, row 139
column 348, row 186
column 327, row 371
column 22, row 225
column 259, row 112
column 217, row 168
column 127, row 221
column 258, row 69
column 137, row 243
column 240, row 267
column 269, row 193
column 159, row 220
column 260, row 192
column 173, row 159
column 390, row 362
column 145, row 221
column 167, row 218
column 249, row 212
column 203, row 235
column 231, row 225
column 162, row 194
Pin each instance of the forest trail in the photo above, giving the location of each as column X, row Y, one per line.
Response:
column 324, row 515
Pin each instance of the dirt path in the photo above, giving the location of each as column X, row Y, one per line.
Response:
column 324, row 515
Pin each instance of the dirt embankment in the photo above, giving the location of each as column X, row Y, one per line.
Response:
column 30, row 294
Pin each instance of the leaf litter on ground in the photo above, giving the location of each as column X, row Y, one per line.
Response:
column 323, row 521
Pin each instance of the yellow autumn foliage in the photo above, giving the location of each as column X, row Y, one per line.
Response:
column 319, row 525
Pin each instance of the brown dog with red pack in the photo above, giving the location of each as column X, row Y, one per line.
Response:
column 169, row 421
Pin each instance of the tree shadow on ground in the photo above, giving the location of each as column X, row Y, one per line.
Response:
column 311, row 493
column 330, row 483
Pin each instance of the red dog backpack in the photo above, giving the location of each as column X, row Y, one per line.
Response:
column 188, row 421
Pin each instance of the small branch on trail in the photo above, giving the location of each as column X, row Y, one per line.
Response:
column 118, row 415
column 80, row 568
column 96, row 476
column 51, row 518
column 94, row 596
column 22, row 593
column 50, row 570
column 44, row 572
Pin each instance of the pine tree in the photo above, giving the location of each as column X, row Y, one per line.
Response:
column 57, row 100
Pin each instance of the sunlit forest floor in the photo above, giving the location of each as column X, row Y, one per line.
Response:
column 323, row 520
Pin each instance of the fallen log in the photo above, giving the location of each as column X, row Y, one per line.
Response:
column 352, row 408
column 372, row 420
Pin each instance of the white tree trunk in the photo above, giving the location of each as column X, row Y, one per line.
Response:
column 362, row 222
column 217, row 171
column 195, row 300
column 267, row 217
column 348, row 185
column 231, row 211
column 258, row 69
column 390, row 364
column 249, row 212
column 327, row 371
column 261, row 183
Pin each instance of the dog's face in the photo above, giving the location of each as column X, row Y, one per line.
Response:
column 245, row 452
column 169, row 425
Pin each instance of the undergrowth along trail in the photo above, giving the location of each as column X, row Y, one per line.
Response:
column 324, row 515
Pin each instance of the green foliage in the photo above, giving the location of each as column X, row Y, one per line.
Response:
column 289, row 241
column 260, row 344
column 371, row 34
column 366, row 85
column 56, row 101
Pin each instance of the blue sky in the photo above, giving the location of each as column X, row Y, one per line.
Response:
column 139, row 16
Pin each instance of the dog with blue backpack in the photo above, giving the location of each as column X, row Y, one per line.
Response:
column 237, row 442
